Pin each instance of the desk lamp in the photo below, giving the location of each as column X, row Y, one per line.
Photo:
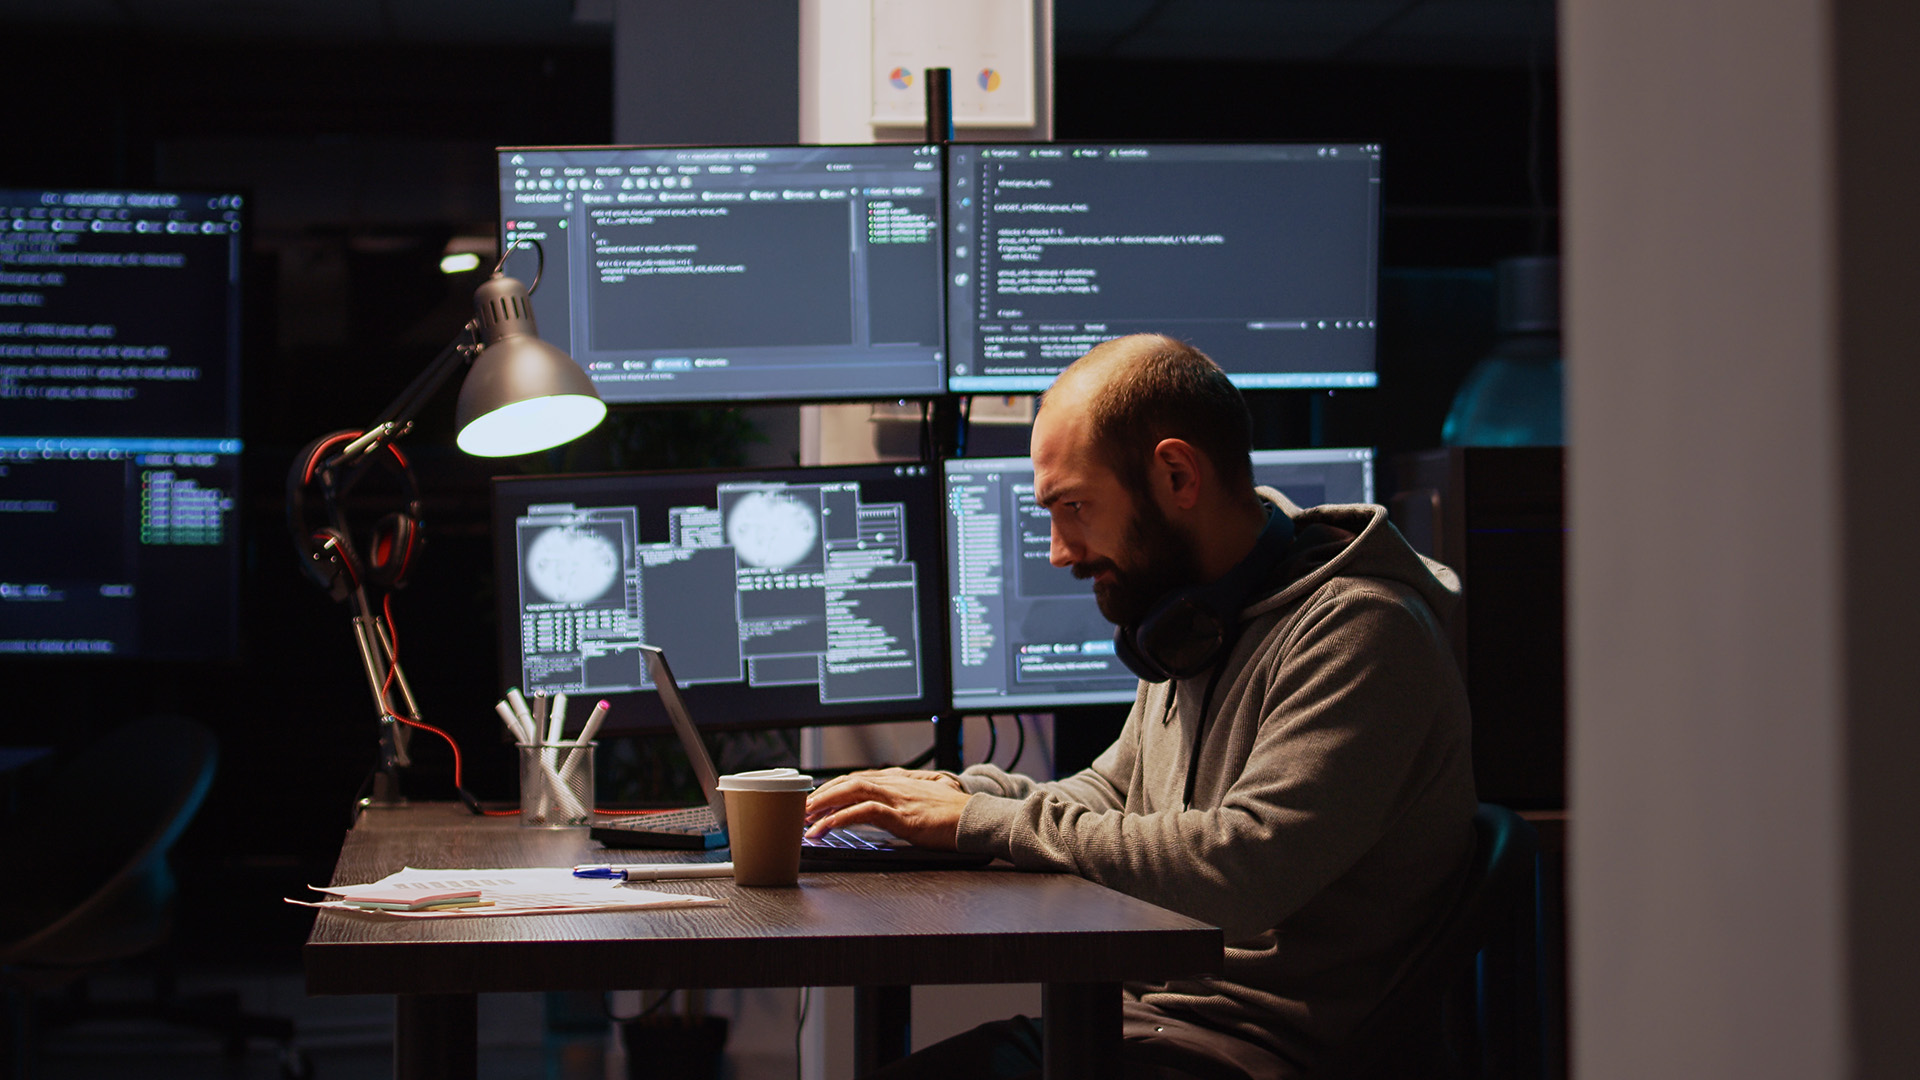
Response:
column 521, row 396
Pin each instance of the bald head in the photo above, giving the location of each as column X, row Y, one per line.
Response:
column 1134, row 391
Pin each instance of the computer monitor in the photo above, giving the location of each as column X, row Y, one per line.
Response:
column 709, row 274
column 1265, row 257
column 1027, row 635
column 783, row 597
column 119, row 423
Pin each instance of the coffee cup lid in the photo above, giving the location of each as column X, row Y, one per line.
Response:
column 767, row 780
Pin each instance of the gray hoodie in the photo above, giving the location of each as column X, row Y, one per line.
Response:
column 1332, row 814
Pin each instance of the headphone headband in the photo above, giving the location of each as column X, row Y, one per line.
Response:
column 327, row 552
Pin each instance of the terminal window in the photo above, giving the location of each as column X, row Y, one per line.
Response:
column 1263, row 256
column 119, row 423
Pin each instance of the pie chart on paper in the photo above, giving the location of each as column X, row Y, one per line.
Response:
column 989, row 80
column 900, row 77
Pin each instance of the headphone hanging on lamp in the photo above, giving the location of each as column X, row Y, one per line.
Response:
column 328, row 554
column 1189, row 629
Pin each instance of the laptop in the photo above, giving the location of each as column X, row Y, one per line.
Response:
column 701, row 828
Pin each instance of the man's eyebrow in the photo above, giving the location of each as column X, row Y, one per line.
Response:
column 1050, row 496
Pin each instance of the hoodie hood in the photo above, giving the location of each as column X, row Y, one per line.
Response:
column 1353, row 540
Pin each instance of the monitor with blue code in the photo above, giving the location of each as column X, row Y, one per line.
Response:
column 1027, row 635
column 785, row 597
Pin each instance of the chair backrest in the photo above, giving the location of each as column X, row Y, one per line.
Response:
column 94, row 843
column 1499, row 886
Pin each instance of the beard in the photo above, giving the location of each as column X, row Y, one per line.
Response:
column 1159, row 560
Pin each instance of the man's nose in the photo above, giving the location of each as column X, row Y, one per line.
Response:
column 1060, row 552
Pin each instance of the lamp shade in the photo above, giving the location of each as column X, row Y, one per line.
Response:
column 522, row 394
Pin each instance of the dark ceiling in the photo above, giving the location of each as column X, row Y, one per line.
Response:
column 1479, row 33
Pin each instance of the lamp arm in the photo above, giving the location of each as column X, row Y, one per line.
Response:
column 458, row 352
column 397, row 418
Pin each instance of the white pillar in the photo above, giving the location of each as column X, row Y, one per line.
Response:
column 1745, row 727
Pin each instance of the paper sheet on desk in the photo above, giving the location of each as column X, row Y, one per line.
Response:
column 523, row 891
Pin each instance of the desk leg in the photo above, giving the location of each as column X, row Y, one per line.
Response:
column 435, row 1036
column 882, row 1026
column 1082, row 1024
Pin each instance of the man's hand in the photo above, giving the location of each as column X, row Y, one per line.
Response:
column 918, row 806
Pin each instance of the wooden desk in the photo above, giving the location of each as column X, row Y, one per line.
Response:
column 880, row 931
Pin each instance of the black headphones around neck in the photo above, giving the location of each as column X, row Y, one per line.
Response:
column 1190, row 628
column 328, row 554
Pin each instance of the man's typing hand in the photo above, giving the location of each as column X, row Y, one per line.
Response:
column 919, row 806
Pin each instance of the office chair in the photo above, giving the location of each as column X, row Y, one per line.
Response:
column 93, row 843
column 1474, row 984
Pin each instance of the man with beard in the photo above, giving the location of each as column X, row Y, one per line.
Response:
column 1295, row 769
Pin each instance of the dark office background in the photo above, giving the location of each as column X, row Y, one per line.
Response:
column 364, row 156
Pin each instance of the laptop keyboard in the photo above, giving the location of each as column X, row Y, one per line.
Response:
column 692, row 828
column 698, row 821
column 693, row 819
column 841, row 839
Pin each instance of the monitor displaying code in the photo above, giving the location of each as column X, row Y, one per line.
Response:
column 1265, row 257
column 119, row 423
column 1026, row 634
column 781, row 597
column 695, row 274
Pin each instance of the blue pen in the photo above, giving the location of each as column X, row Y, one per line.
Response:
column 654, row 872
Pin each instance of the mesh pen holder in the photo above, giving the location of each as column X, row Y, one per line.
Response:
column 556, row 785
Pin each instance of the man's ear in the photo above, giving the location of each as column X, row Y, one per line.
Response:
column 1178, row 474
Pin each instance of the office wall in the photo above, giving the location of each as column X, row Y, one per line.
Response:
column 724, row 71
column 1741, row 389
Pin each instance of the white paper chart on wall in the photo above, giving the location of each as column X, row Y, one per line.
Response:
column 988, row 45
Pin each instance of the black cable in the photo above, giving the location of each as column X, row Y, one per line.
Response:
column 1153, row 12
column 921, row 758
column 799, row 1026
column 361, row 795
column 646, row 1012
column 965, row 430
column 1019, row 748
column 993, row 738
column 926, row 430
column 539, row 268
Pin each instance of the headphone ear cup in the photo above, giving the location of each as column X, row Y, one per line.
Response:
column 1187, row 632
column 1139, row 663
column 390, row 550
